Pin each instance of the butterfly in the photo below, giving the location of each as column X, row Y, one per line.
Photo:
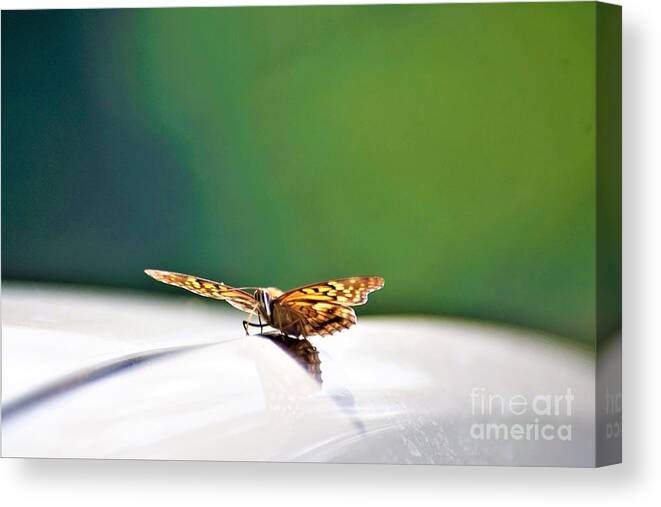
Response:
column 322, row 308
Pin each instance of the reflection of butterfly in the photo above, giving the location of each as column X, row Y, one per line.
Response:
column 301, row 351
column 317, row 309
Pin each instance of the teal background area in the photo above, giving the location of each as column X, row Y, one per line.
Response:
column 448, row 148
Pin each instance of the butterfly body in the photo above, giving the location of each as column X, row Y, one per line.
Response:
column 318, row 309
column 265, row 298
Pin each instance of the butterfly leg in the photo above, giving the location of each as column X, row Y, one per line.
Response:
column 247, row 323
column 301, row 326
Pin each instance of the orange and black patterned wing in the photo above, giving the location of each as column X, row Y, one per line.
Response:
column 343, row 291
column 207, row 288
column 324, row 308
column 310, row 318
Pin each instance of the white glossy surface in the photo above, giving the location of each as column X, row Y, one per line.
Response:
column 84, row 376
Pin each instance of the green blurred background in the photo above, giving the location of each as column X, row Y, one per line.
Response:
column 449, row 148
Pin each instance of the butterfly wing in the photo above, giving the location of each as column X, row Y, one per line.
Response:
column 324, row 308
column 207, row 288
column 344, row 291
